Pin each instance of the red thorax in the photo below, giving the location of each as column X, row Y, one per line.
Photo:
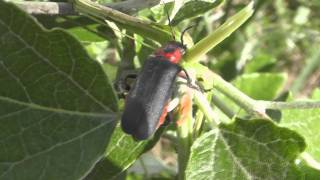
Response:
column 173, row 51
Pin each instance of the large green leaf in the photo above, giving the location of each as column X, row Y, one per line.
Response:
column 57, row 107
column 262, row 86
column 307, row 123
column 255, row 149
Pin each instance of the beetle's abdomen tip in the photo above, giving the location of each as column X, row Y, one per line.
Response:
column 139, row 138
column 138, row 130
column 136, row 134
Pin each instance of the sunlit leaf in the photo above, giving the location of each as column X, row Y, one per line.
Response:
column 255, row 149
column 307, row 123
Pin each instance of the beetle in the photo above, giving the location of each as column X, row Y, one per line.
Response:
column 145, row 106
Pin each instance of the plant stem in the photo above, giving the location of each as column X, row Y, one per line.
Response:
column 244, row 101
column 257, row 108
column 199, row 117
column 184, row 129
column 223, row 107
column 183, row 154
column 205, row 107
column 142, row 27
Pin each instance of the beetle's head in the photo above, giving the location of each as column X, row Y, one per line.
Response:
column 173, row 51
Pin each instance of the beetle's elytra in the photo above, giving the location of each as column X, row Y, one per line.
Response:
column 146, row 101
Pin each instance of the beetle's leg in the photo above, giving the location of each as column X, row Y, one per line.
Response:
column 195, row 86
column 128, row 85
column 202, row 89
column 123, row 86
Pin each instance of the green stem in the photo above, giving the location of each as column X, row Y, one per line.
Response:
column 185, row 138
column 205, row 107
column 199, row 117
column 142, row 27
column 252, row 106
column 256, row 108
column 184, row 145
column 244, row 101
column 223, row 107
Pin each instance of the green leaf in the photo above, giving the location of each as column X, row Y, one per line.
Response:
column 307, row 123
column 121, row 153
column 58, row 109
column 193, row 9
column 260, row 86
column 255, row 149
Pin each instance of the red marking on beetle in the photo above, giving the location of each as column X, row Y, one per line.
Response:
column 163, row 116
column 173, row 57
column 185, row 108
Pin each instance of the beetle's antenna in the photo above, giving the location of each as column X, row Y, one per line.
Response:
column 184, row 31
column 169, row 20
